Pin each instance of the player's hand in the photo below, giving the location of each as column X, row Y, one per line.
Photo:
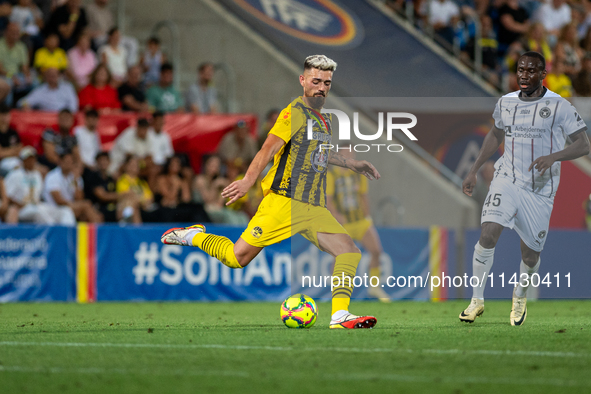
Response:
column 365, row 168
column 468, row 184
column 541, row 164
column 236, row 190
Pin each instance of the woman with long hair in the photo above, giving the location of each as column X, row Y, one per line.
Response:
column 99, row 94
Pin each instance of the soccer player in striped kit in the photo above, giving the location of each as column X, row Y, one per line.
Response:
column 534, row 123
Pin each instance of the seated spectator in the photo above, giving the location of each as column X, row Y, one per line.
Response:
column 8, row 211
column 25, row 16
column 14, row 61
column 152, row 60
column 5, row 11
column 10, row 142
column 63, row 190
column 129, row 183
column 55, row 144
column 443, row 16
column 100, row 21
column 88, row 139
column 164, row 96
column 99, row 94
column 238, row 147
column 131, row 93
column 535, row 40
column 51, row 55
column 568, row 49
column 513, row 23
column 101, row 189
column 554, row 15
column 136, row 141
column 161, row 143
column 270, row 120
column 68, row 21
column 114, row 55
column 24, row 186
column 557, row 81
column 53, row 95
column 489, row 49
column 202, row 97
column 582, row 82
column 82, row 61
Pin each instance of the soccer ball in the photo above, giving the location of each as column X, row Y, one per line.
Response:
column 299, row 311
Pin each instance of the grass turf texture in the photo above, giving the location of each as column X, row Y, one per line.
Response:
column 243, row 347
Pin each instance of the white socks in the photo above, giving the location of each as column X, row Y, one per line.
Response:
column 521, row 288
column 482, row 262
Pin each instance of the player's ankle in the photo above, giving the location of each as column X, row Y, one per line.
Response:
column 339, row 314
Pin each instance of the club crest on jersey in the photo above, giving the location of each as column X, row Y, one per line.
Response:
column 545, row 112
column 319, row 159
column 257, row 232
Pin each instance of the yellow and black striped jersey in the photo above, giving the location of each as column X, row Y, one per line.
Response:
column 347, row 189
column 299, row 168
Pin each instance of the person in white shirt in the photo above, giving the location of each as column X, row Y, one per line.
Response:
column 64, row 189
column 136, row 141
column 89, row 141
column 534, row 124
column 24, row 186
column 114, row 55
column 443, row 15
column 161, row 143
column 554, row 15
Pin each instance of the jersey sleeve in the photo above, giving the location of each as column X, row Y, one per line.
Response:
column 497, row 116
column 329, row 184
column 287, row 124
column 570, row 120
column 362, row 184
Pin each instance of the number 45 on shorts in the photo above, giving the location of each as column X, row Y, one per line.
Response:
column 495, row 200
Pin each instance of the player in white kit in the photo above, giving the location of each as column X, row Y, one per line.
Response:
column 534, row 122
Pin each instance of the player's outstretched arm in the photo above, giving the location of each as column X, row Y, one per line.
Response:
column 236, row 190
column 491, row 143
column 362, row 167
column 578, row 148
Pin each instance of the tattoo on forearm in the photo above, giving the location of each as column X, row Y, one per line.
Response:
column 337, row 160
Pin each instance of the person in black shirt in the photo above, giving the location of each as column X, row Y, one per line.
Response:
column 55, row 144
column 131, row 94
column 100, row 188
column 513, row 23
column 68, row 21
column 10, row 142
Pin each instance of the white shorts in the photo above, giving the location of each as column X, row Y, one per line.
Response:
column 514, row 207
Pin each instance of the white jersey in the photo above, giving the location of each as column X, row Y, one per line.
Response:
column 532, row 129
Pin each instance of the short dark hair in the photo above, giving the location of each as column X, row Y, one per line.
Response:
column 65, row 111
column 535, row 55
column 102, row 154
column 157, row 114
column 67, row 152
column 166, row 67
column 91, row 113
column 204, row 65
column 4, row 109
column 112, row 30
column 143, row 122
column 154, row 40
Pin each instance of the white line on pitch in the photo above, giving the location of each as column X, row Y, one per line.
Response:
column 527, row 353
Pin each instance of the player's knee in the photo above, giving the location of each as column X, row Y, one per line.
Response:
column 487, row 240
column 530, row 259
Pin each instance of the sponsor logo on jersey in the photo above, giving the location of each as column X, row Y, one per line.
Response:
column 524, row 112
column 545, row 112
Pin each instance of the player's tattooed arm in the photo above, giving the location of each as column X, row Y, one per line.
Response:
column 362, row 167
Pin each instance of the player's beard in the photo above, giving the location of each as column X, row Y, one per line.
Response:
column 316, row 102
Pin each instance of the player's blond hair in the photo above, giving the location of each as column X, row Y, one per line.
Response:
column 320, row 62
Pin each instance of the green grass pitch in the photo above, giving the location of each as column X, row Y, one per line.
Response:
column 417, row 347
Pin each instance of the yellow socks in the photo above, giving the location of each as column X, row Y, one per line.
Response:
column 345, row 267
column 374, row 272
column 217, row 246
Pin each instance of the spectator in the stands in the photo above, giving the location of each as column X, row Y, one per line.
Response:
column 152, row 59
column 131, row 93
column 63, row 189
column 164, row 96
column 100, row 21
column 557, row 81
column 174, row 195
column 536, row 41
column 55, row 144
column 553, row 14
column 14, row 61
column 99, row 94
column 51, row 55
column 202, row 96
column 270, row 121
column 161, row 143
column 137, row 141
column 568, row 49
column 489, row 48
column 10, row 142
column 513, row 23
column 114, row 55
column 443, row 16
column 8, row 211
column 89, row 141
column 238, row 147
column 68, row 21
column 582, row 82
column 24, row 186
column 30, row 21
column 5, row 11
column 101, row 189
column 82, row 62
column 53, row 95
column 130, row 183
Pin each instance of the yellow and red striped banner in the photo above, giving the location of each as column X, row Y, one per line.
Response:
column 86, row 263
column 438, row 243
